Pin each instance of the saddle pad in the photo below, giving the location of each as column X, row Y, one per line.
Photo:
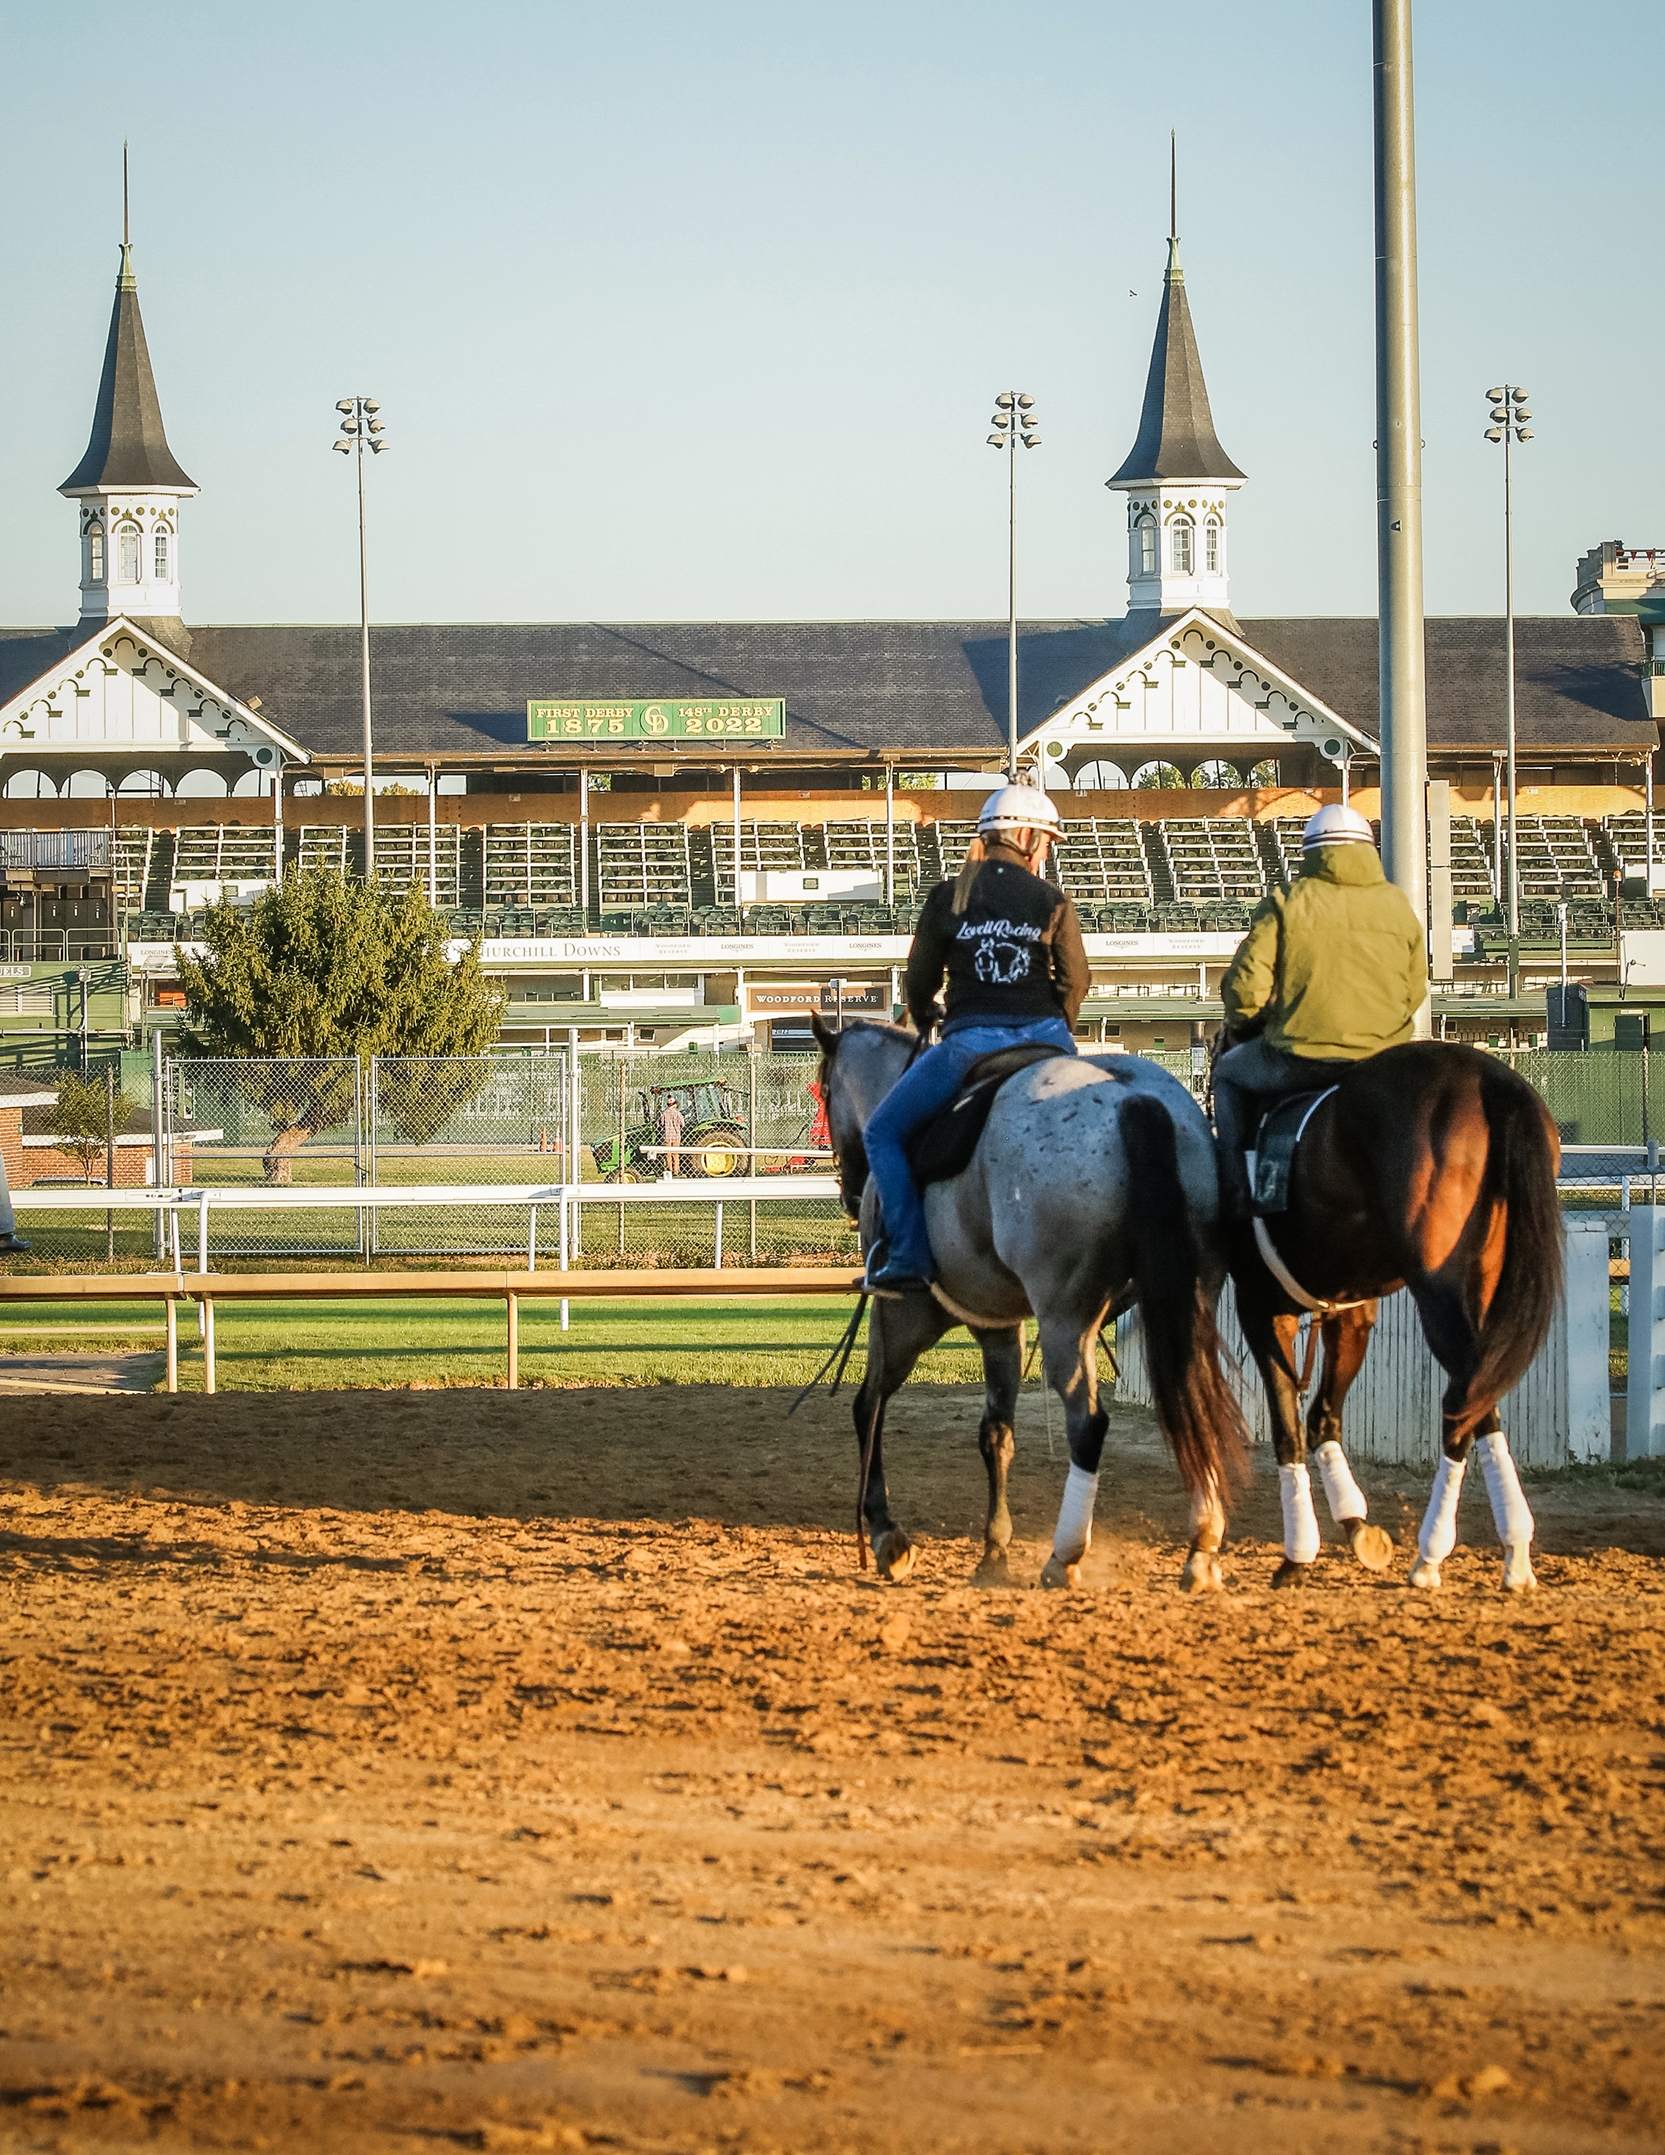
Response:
column 1274, row 1158
column 942, row 1148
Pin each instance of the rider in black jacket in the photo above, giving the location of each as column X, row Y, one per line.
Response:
column 1009, row 944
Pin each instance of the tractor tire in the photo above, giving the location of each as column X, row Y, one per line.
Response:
column 717, row 1152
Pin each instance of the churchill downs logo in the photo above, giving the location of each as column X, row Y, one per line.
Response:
column 1003, row 954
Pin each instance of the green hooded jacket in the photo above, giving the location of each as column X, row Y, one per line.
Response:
column 1334, row 967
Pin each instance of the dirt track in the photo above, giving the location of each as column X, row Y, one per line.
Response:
column 389, row 1771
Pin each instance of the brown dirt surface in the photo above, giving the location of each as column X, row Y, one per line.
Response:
column 404, row 1771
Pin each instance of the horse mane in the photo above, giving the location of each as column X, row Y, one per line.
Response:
column 858, row 1025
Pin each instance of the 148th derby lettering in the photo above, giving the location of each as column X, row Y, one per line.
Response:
column 972, row 931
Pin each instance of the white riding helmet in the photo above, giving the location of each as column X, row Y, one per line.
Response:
column 1020, row 808
column 1337, row 826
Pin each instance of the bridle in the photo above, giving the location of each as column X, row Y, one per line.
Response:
column 852, row 1164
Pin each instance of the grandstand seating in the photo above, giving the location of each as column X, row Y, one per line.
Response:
column 1102, row 860
column 130, row 861
column 1627, row 841
column 1471, row 861
column 402, row 859
column 323, row 845
column 531, row 864
column 1556, row 858
column 1207, row 859
column 219, row 853
column 862, row 845
column 642, row 866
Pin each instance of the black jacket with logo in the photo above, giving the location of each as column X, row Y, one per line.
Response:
column 1013, row 956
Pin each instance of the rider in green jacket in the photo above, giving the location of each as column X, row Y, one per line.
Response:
column 1333, row 968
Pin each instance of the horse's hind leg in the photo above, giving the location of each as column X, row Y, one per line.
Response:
column 1068, row 1352
column 1346, row 1337
column 1002, row 1375
column 1271, row 1334
column 898, row 1334
column 1451, row 1335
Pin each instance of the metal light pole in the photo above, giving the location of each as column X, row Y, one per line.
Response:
column 359, row 425
column 1014, row 421
column 1403, row 686
column 1508, row 416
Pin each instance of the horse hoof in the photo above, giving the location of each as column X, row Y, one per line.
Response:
column 1289, row 1573
column 1518, row 1575
column 1371, row 1545
column 893, row 1555
column 1066, row 1577
column 1202, row 1573
column 993, row 1570
column 1425, row 1574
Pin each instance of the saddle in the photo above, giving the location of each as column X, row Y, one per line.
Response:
column 942, row 1148
column 1272, row 1157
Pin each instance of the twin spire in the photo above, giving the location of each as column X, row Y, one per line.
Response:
column 128, row 447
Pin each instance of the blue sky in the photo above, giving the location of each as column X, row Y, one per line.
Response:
column 683, row 313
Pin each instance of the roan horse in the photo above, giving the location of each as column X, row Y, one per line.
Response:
column 1432, row 1167
column 1093, row 1187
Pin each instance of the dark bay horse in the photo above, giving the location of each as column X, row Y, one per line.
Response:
column 1430, row 1167
column 1093, row 1187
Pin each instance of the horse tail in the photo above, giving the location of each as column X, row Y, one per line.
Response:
column 1196, row 1407
column 1520, row 1176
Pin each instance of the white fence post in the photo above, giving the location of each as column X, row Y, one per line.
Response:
column 1645, row 1389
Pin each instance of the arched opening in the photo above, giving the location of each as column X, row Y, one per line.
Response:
column 1265, row 773
column 1160, row 777
column 1184, row 546
column 30, row 786
column 1144, row 545
column 1101, row 778
column 127, row 554
column 201, row 786
column 1215, row 774
column 161, row 554
column 95, row 554
column 86, row 786
column 1213, row 546
column 252, row 785
column 143, row 786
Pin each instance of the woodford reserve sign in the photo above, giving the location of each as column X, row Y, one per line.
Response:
column 748, row 718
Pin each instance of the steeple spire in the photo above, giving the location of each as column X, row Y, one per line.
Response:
column 129, row 483
column 128, row 446
column 1176, row 475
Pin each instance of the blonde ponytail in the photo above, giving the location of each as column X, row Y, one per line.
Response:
column 967, row 876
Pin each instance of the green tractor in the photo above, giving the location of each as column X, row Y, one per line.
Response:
column 713, row 1134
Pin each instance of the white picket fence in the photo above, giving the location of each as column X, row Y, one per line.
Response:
column 1561, row 1411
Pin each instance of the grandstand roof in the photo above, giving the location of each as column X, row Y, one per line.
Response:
column 856, row 689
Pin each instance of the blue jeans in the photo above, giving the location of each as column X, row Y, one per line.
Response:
column 932, row 1082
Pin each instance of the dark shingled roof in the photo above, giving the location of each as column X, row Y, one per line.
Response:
column 1176, row 429
column 935, row 687
column 128, row 446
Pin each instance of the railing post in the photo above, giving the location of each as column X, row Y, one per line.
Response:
column 513, row 1314
column 173, row 1342
column 208, row 1344
column 1645, row 1386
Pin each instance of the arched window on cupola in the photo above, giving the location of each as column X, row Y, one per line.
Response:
column 1214, row 539
column 1144, row 544
column 95, row 554
column 1184, row 546
column 161, row 553
column 127, row 554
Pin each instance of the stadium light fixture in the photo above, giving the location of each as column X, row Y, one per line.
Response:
column 1013, row 421
column 358, row 426
column 1509, row 407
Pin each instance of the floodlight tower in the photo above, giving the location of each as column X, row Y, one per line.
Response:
column 359, row 426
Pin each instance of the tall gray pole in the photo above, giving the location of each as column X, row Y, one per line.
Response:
column 1509, row 701
column 364, row 655
column 1399, row 464
column 1011, row 602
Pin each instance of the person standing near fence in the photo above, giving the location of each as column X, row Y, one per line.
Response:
column 670, row 1136
column 11, row 1242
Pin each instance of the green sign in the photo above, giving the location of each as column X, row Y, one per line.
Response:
column 746, row 718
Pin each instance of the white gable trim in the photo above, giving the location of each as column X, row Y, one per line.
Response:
column 120, row 693
column 1196, row 685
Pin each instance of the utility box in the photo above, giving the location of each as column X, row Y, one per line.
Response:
column 1569, row 1017
column 1630, row 1030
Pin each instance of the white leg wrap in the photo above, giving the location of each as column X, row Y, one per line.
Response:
column 1511, row 1514
column 1075, row 1516
column 1341, row 1493
column 1300, row 1522
column 1439, row 1522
